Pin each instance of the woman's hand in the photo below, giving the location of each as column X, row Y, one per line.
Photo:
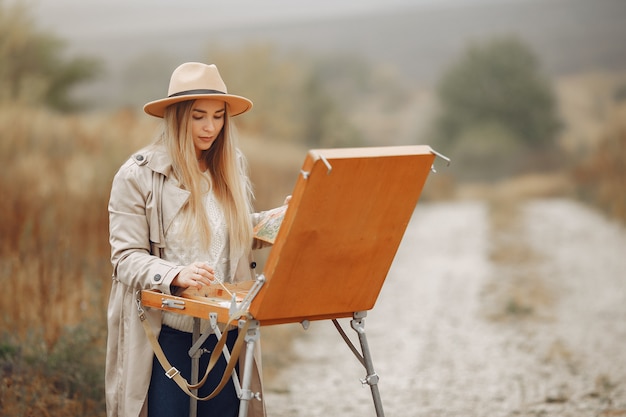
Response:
column 194, row 275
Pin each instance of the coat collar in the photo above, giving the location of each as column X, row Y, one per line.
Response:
column 166, row 197
column 156, row 158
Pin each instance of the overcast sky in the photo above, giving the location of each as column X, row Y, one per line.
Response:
column 100, row 17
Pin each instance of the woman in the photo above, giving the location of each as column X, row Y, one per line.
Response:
column 180, row 218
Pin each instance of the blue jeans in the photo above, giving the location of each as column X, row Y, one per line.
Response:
column 166, row 399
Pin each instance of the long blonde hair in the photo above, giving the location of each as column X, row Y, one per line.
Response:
column 228, row 177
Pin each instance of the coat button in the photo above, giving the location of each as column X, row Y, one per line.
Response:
column 253, row 265
column 157, row 277
column 139, row 157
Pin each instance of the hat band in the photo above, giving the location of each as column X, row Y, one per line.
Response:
column 196, row 92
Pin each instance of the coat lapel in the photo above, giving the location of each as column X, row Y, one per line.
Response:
column 173, row 203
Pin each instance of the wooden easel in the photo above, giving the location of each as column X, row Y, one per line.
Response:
column 347, row 215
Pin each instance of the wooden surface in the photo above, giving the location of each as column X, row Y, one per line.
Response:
column 214, row 298
column 341, row 232
column 194, row 306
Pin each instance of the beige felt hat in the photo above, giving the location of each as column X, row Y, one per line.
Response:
column 193, row 80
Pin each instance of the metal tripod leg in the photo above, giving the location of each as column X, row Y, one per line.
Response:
column 358, row 324
column 195, row 368
column 252, row 336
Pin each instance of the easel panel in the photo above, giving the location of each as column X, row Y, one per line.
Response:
column 344, row 223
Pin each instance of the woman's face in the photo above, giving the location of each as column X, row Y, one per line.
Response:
column 207, row 121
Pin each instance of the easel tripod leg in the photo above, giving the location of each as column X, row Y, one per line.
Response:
column 248, row 368
column 358, row 324
column 195, row 368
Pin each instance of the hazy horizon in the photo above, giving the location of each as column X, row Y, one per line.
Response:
column 71, row 18
column 417, row 39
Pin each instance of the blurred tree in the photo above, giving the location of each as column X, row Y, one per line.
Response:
column 497, row 82
column 291, row 95
column 32, row 66
column 270, row 81
column 324, row 122
column 142, row 78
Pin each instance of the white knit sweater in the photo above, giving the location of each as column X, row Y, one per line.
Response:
column 185, row 251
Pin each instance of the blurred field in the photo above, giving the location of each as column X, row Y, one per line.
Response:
column 54, row 253
column 54, row 256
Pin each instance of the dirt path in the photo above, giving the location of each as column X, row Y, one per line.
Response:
column 485, row 312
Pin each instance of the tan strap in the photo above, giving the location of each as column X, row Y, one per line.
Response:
column 173, row 373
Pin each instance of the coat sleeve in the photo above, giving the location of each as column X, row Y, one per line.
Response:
column 132, row 197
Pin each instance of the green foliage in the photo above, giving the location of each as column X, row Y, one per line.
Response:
column 69, row 380
column 32, row 66
column 324, row 122
column 498, row 82
column 76, row 363
column 487, row 151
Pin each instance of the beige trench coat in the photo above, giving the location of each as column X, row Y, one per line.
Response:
column 142, row 205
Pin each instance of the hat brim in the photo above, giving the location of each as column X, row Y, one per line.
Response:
column 236, row 104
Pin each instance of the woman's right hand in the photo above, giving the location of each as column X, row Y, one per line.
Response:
column 194, row 275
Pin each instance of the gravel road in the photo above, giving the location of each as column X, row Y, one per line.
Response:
column 521, row 313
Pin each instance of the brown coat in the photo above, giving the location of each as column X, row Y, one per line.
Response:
column 142, row 205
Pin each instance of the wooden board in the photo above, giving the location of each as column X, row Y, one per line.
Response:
column 193, row 306
column 347, row 216
column 214, row 298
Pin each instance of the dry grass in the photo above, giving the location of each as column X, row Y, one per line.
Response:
column 516, row 289
column 594, row 109
column 54, row 251
column 601, row 178
column 54, row 257
column 273, row 168
column 588, row 105
column 54, row 254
